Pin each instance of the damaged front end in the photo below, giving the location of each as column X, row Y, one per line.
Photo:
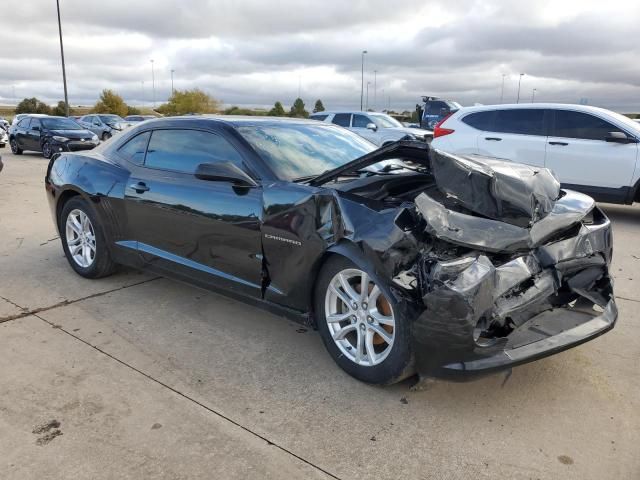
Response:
column 518, row 268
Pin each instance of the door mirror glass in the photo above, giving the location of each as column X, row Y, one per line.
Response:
column 372, row 126
column 224, row 172
column 617, row 137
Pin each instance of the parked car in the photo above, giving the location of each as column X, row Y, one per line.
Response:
column 379, row 128
column 4, row 124
column 104, row 125
column 4, row 138
column 48, row 134
column 592, row 150
column 132, row 119
column 404, row 258
column 434, row 109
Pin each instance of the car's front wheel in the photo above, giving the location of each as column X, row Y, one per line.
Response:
column 83, row 241
column 15, row 149
column 106, row 136
column 361, row 325
column 46, row 150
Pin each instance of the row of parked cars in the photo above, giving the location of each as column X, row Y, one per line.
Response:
column 50, row 134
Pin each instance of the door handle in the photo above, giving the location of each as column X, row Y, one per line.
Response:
column 495, row 139
column 139, row 187
column 564, row 144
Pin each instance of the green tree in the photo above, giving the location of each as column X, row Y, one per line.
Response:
column 110, row 102
column 182, row 102
column 319, row 107
column 60, row 111
column 133, row 110
column 297, row 109
column 33, row 105
column 277, row 110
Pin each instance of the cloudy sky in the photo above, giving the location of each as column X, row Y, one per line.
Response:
column 254, row 52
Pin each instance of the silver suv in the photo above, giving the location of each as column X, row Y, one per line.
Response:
column 378, row 128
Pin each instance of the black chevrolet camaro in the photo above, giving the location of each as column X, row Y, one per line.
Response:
column 404, row 258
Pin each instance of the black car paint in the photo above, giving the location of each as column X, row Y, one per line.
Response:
column 266, row 244
column 34, row 139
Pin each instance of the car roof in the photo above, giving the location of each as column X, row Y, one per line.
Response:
column 556, row 106
column 233, row 120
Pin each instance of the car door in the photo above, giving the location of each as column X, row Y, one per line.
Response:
column 21, row 132
column 98, row 126
column 517, row 134
column 87, row 122
column 581, row 157
column 32, row 137
column 359, row 124
column 207, row 231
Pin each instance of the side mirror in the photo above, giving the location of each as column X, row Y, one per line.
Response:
column 618, row 137
column 224, row 172
column 372, row 126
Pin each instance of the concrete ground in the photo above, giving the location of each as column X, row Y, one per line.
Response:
column 135, row 376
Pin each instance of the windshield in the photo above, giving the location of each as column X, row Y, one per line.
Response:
column 385, row 121
column 297, row 150
column 628, row 122
column 60, row 124
column 110, row 118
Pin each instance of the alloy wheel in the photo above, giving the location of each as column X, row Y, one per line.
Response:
column 46, row 150
column 81, row 238
column 14, row 146
column 360, row 318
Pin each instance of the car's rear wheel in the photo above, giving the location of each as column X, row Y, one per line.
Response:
column 83, row 241
column 106, row 136
column 46, row 150
column 15, row 149
column 360, row 324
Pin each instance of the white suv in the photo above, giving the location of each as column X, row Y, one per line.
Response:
column 378, row 128
column 592, row 150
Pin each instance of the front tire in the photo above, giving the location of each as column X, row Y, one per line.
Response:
column 106, row 136
column 46, row 150
column 15, row 149
column 83, row 241
column 361, row 324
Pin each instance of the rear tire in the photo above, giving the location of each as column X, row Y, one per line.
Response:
column 15, row 149
column 79, row 230
column 382, row 358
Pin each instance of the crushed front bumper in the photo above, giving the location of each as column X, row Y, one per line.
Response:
column 487, row 311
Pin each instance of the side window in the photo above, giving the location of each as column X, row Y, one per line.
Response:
column 96, row 120
column 361, row 121
column 35, row 122
column 318, row 117
column 183, row 150
column 342, row 119
column 480, row 120
column 24, row 123
column 581, row 125
column 87, row 119
column 134, row 149
column 525, row 121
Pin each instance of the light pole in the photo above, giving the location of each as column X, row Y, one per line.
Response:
column 533, row 95
column 172, row 90
column 519, row 81
column 364, row 52
column 367, row 102
column 142, row 92
column 64, row 73
column 153, row 84
column 375, row 89
column 383, row 98
column 502, row 91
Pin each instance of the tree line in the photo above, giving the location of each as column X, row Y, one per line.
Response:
column 181, row 102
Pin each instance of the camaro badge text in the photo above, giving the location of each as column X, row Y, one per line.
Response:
column 282, row 239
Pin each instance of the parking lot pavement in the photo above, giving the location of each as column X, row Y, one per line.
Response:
column 242, row 391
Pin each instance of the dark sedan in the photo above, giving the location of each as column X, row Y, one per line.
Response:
column 49, row 135
column 405, row 259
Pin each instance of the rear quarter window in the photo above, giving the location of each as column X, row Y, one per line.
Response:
column 480, row 120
